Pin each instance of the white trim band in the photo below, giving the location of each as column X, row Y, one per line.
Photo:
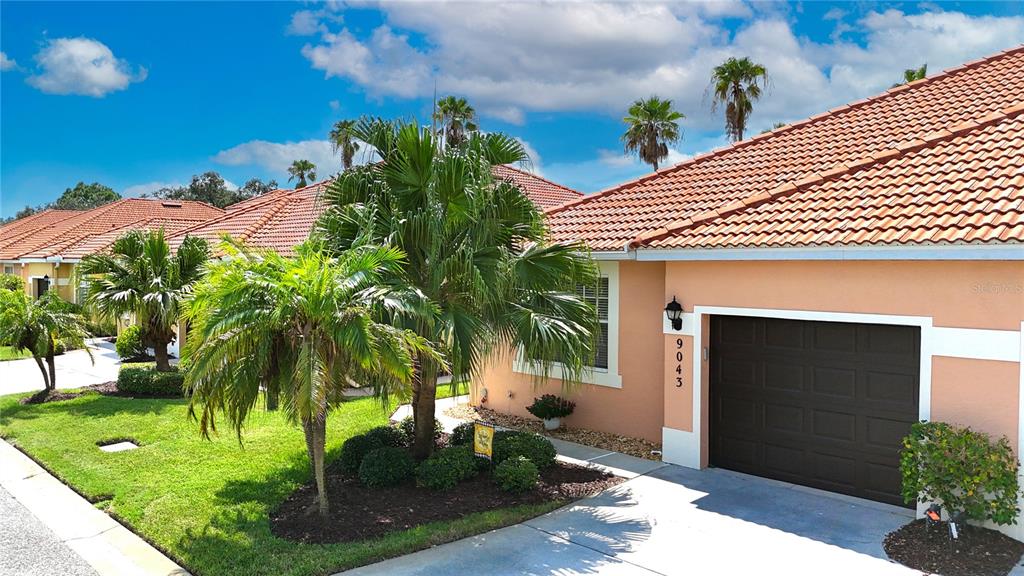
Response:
column 944, row 252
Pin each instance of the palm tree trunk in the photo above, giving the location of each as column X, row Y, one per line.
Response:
column 52, row 383
column 316, row 439
column 163, row 364
column 42, row 368
column 424, row 392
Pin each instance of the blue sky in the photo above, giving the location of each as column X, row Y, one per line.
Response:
column 143, row 95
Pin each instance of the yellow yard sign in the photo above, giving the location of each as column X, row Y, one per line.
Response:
column 483, row 437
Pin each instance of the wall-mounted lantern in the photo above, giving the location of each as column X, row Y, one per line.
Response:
column 674, row 312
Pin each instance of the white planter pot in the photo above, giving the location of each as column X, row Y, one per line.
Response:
column 552, row 423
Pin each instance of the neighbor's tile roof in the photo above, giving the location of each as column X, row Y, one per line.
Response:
column 74, row 234
column 926, row 194
column 544, row 193
column 281, row 219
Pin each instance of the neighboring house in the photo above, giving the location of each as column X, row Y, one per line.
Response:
column 44, row 248
column 281, row 219
column 840, row 278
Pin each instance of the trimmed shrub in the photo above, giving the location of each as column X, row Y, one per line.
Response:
column 408, row 427
column 516, row 475
column 144, row 379
column 550, row 406
column 462, row 435
column 129, row 342
column 355, row 449
column 446, row 468
column 533, row 447
column 387, row 466
column 966, row 471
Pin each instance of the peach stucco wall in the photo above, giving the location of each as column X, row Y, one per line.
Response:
column 636, row 409
column 982, row 394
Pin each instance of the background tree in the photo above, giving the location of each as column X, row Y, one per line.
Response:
column 912, row 74
column 456, row 118
column 11, row 282
column 343, row 141
column 476, row 251
column 254, row 187
column 140, row 276
column 652, row 125
column 774, row 126
column 736, row 84
column 301, row 171
column 207, row 187
column 85, row 196
column 303, row 327
column 41, row 326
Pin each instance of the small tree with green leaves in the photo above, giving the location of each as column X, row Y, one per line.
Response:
column 966, row 471
column 40, row 326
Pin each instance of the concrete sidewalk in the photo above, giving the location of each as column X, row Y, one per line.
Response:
column 106, row 546
column 74, row 369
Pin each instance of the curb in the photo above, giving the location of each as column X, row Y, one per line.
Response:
column 104, row 543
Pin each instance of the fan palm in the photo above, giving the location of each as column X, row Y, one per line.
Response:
column 140, row 276
column 40, row 327
column 652, row 125
column 343, row 141
column 457, row 119
column 301, row 171
column 476, row 251
column 303, row 328
column 736, row 84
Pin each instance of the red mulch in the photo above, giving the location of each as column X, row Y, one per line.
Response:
column 359, row 513
column 977, row 552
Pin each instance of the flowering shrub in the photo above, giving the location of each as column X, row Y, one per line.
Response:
column 550, row 406
column 968, row 472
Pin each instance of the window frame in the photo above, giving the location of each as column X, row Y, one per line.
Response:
column 608, row 377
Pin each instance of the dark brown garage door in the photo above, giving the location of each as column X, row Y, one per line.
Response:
column 822, row 404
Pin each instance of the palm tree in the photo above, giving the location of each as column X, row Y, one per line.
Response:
column 343, row 141
column 912, row 74
column 476, row 251
column 457, row 118
column 652, row 125
column 301, row 327
column 737, row 83
column 302, row 170
column 140, row 276
column 41, row 327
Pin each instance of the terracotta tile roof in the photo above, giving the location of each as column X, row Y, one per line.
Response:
column 544, row 193
column 848, row 138
column 281, row 219
column 84, row 232
column 18, row 230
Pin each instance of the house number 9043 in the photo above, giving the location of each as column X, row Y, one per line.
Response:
column 679, row 362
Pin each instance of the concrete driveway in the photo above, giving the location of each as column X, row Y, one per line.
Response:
column 675, row 520
column 74, row 370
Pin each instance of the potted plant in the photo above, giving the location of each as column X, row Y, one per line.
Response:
column 551, row 409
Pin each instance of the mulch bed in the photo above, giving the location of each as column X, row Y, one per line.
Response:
column 106, row 389
column 604, row 440
column 977, row 552
column 359, row 513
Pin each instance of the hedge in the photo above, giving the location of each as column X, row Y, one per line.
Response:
column 145, row 380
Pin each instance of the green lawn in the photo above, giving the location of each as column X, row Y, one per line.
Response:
column 8, row 353
column 206, row 502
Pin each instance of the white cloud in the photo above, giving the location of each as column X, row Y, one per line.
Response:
column 335, row 105
column 7, row 63
column 535, row 163
column 137, row 190
column 276, row 157
column 574, row 56
column 305, row 23
column 82, row 66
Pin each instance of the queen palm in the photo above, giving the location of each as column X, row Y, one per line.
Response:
column 652, row 125
column 457, row 119
column 301, row 327
column 140, row 276
column 40, row 327
column 736, row 84
column 343, row 141
column 301, row 171
column 476, row 251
